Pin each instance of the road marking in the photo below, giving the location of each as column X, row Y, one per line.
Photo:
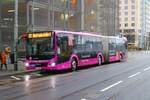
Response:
column 148, row 68
column 83, row 99
column 111, row 86
column 15, row 78
column 134, row 74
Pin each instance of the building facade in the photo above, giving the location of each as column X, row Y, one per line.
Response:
column 102, row 16
column 37, row 15
column 134, row 22
column 98, row 16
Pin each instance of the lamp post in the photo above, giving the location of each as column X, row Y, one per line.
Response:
column 16, row 35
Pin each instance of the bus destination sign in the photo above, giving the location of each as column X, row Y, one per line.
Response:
column 39, row 35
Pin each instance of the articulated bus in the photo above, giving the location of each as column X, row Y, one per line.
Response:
column 60, row 50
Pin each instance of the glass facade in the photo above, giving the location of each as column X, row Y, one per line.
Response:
column 6, row 22
column 44, row 15
column 145, row 24
column 37, row 15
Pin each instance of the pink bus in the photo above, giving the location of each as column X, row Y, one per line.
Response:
column 60, row 50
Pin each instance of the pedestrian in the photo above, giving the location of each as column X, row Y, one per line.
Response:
column 0, row 56
column 3, row 60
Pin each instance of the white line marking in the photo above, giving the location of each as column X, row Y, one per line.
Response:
column 83, row 99
column 111, row 86
column 148, row 68
column 15, row 78
column 134, row 74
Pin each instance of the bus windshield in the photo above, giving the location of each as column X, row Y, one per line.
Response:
column 40, row 48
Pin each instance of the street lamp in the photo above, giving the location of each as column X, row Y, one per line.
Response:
column 92, row 12
column 11, row 11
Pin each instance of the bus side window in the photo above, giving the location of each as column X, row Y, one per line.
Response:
column 63, row 46
column 58, row 44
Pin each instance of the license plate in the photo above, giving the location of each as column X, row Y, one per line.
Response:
column 38, row 68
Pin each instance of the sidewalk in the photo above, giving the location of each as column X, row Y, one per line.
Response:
column 10, row 70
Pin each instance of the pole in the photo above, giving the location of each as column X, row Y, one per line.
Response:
column 82, row 14
column 33, row 16
column 16, row 35
column 28, row 18
column 49, row 15
column 53, row 15
column 66, row 15
column 0, row 27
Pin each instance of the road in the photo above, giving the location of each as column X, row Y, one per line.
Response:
column 117, row 81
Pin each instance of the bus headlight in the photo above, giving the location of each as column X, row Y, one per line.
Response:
column 27, row 64
column 52, row 64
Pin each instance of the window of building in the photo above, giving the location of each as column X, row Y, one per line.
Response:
column 133, row 18
column 120, row 25
column 131, row 38
column 133, row 7
column 126, row 19
column 120, row 19
column 120, row 1
column 133, row 24
column 126, row 25
column 132, row 1
column 126, row 13
column 125, row 7
column 139, row 31
column 119, row 13
column 126, row 1
column 132, row 13
column 129, row 30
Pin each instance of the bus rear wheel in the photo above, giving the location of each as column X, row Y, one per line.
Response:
column 121, row 58
column 99, row 60
column 73, row 65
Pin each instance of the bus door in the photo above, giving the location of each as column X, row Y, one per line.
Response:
column 112, row 49
column 64, row 48
column 86, row 54
column 105, row 43
column 81, row 49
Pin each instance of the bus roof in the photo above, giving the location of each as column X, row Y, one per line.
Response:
column 79, row 33
column 82, row 33
column 86, row 33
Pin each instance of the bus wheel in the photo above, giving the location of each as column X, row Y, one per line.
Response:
column 73, row 65
column 121, row 58
column 99, row 60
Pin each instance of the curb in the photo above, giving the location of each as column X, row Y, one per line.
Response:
column 17, row 73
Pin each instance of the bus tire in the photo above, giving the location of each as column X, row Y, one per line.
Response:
column 121, row 58
column 99, row 60
column 73, row 64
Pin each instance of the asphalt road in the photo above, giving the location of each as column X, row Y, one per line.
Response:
column 117, row 81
